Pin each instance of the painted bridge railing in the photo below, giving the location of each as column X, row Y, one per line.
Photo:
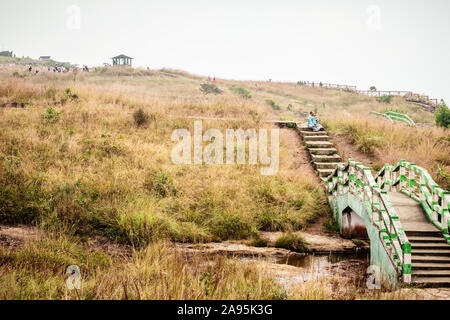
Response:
column 358, row 180
column 417, row 183
column 395, row 116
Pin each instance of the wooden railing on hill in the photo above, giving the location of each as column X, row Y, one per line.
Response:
column 423, row 100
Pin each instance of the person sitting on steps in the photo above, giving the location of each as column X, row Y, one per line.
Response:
column 313, row 123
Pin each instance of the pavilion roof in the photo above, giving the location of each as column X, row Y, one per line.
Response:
column 121, row 56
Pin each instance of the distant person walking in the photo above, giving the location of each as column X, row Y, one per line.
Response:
column 214, row 80
column 313, row 123
column 209, row 78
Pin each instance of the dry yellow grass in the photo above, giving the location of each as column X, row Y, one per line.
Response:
column 428, row 147
column 90, row 170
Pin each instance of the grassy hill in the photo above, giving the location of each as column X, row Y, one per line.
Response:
column 75, row 163
column 18, row 62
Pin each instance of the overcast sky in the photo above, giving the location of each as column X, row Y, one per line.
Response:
column 394, row 45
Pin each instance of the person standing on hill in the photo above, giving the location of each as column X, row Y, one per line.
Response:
column 214, row 80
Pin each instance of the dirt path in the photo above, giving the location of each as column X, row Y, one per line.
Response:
column 298, row 156
column 16, row 236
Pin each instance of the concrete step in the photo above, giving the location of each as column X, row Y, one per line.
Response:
column 428, row 245
column 430, row 252
column 417, row 233
column 431, row 266
column 432, row 282
column 325, row 172
column 324, row 158
column 318, row 144
column 418, row 239
column 316, row 138
column 429, row 259
column 323, row 151
column 313, row 133
column 326, row 165
column 430, row 273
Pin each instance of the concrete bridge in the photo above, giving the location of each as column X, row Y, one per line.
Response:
column 401, row 210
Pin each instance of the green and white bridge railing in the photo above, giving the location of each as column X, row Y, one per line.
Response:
column 395, row 116
column 353, row 185
column 417, row 183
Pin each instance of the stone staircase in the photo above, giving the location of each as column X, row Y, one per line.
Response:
column 430, row 258
column 430, row 253
column 323, row 153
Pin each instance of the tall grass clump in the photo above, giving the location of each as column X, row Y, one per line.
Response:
column 209, row 88
column 37, row 271
column 292, row 241
column 273, row 104
column 141, row 118
column 244, row 93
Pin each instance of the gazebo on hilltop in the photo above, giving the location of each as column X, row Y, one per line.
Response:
column 122, row 60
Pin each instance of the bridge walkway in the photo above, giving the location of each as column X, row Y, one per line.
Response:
column 430, row 253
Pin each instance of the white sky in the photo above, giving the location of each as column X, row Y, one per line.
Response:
column 404, row 47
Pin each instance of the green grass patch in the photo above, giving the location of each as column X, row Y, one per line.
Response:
column 292, row 241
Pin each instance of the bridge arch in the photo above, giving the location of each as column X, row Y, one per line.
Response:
column 354, row 191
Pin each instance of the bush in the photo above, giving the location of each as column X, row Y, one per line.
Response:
column 51, row 115
column 161, row 183
column 259, row 242
column 140, row 117
column 273, row 104
column 373, row 88
column 385, row 98
column 292, row 241
column 368, row 143
column 331, row 225
column 244, row 93
column 207, row 88
column 442, row 116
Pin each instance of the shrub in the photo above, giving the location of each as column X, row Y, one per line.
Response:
column 51, row 115
column 140, row 117
column 161, row 183
column 255, row 115
column 208, row 88
column 331, row 226
column 244, row 93
column 442, row 116
column 257, row 241
column 385, row 98
column 373, row 88
column 70, row 94
column 273, row 104
column 15, row 74
column 227, row 225
column 292, row 241
column 368, row 143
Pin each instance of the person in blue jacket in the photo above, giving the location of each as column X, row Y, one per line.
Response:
column 313, row 123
